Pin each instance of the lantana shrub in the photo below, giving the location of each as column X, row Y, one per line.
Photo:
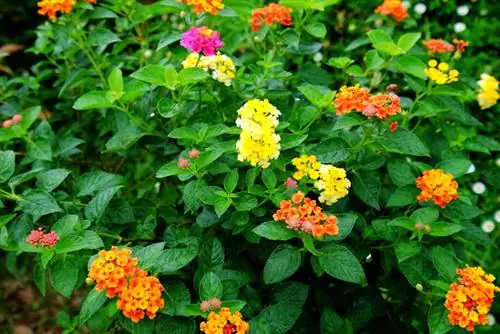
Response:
column 217, row 167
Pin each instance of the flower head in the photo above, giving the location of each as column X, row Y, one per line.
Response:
column 394, row 9
column 303, row 214
column 183, row 163
column 258, row 141
column 438, row 186
column 440, row 73
column 382, row 105
column 393, row 127
column 207, row 6
column 39, row 238
column 50, row 239
column 272, row 13
column 438, row 46
column 223, row 322
column 291, row 183
column 351, row 98
column 141, row 297
column 194, row 154
column 334, row 183
column 489, row 95
column 52, row 7
column 222, row 66
column 469, row 301
column 307, row 166
column 202, row 39
column 460, row 44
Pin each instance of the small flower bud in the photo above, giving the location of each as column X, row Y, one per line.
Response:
column 215, row 303
column 17, row 118
column 419, row 287
column 419, row 227
column 393, row 127
column 257, row 39
column 291, row 183
column 182, row 14
column 427, row 228
column 89, row 281
column 7, row 124
column 392, row 88
column 147, row 53
column 205, row 306
column 194, row 154
column 183, row 163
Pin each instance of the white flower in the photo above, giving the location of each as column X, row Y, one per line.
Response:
column 472, row 169
column 148, row 53
column 491, row 319
column 459, row 27
column 496, row 216
column 488, row 226
column 318, row 56
column 152, row 115
column 462, row 10
column 369, row 258
column 478, row 187
column 420, row 8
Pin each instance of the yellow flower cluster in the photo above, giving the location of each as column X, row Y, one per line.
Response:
column 224, row 322
column 259, row 143
column 331, row 180
column 488, row 96
column 441, row 73
column 221, row 66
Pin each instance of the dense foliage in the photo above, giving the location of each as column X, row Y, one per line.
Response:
column 312, row 166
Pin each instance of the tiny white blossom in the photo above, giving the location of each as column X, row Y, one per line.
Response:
column 157, row 187
column 369, row 258
column 491, row 319
column 462, row 10
column 496, row 216
column 478, row 187
column 152, row 115
column 459, row 27
column 471, row 169
column 488, row 226
column 318, row 56
column 497, row 162
column 420, row 8
column 148, row 53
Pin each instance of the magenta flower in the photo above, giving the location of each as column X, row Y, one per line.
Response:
column 50, row 239
column 35, row 237
column 291, row 183
column 202, row 40
column 38, row 238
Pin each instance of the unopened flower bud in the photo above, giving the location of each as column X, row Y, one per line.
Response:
column 419, row 227
column 205, row 306
column 215, row 303
column 427, row 228
column 17, row 118
column 291, row 183
column 183, row 163
column 419, row 287
column 7, row 124
column 89, row 281
column 148, row 53
column 257, row 39
column 392, row 88
column 194, row 154
column 393, row 127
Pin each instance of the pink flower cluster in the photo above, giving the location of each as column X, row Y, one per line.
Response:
column 210, row 305
column 10, row 122
column 39, row 238
column 184, row 163
column 202, row 40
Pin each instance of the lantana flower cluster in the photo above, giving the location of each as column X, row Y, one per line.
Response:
column 330, row 180
column 259, row 143
column 469, row 302
column 224, row 322
column 438, row 186
column 8, row 123
column 272, row 13
column 303, row 214
column 39, row 238
column 489, row 94
column 440, row 73
column 208, row 6
column 394, row 9
column 222, row 67
column 52, row 7
column 357, row 98
column 202, row 40
column 116, row 272
column 441, row 46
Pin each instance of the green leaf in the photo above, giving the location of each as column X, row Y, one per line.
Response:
column 332, row 323
column 332, row 151
column 96, row 207
column 234, row 305
column 40, row 150
column 5, row 219
column 38, row 203
column 283, row 262
column 93, row 100
column 168, row 169
column 425, row 216
column 316, row 29
column 269, row 178
column 149, row 256
column 442, row 229
column 207, row 157
column 417, row 269
column 457, row 167
column 276, row 319
column 66, row 225
column 408, row 40
column 403, row 222
column 340, row 62
column 445, row 263
column 124, row 139
column 222, row 204
column 211, row 286
column 231, row 181
column 389, row 48
column 152, row 74
column 64, row 276
column 93, row 182
column 171, row 77
column 404, row 142
column 437, row 319
column 275, row 231
column 7, row 165
column 189, row 76
column 184, row 133
column 115, row 80
column 51, row 179
column 403, row 196
column 400, row 172
column 458, row 210
column 171, row 38
column 367, row 187
column 340, row 263
column 309, row 4
column 407, row 249
column 78, row 241
column 317, row 95
column 102, row 37
column 174, row 259
column 91, row 304
column 378, row 36
column 411, row 65
column 373, row 60
column 21, row 178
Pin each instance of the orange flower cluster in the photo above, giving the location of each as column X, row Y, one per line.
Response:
column 117, row 272
column 460, row 44
column 394, row 9
column 302, row 214
column 142, row 296
column 469, row 302
column 355, row 98
column 438, row 46
column 52, row 7
column 438, row 186
column 273, row 13
column 207, row 6
column 224, row 323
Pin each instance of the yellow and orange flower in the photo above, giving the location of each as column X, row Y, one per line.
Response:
column 469, row 302
column 307, row 165
column 111, row 270
column 141, row 297
column 273, row 13
column 224, row 322
column 382, row 105
column 351, row 98
column 52, row 7
column 438, row 46
column 461, row 45
column 208, row 6
column 394, row 9
column 303, row 214
column 438, row 186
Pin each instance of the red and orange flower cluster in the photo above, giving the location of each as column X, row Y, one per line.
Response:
column 207, row 6
column 438, row 186
column 39, row 238
column 469, row 302
column 52, row 7
column 302, row 214
column 117, row 272
column 394, row 9
column 356, row 98
column 273, row 13
column 224, row 322
column 442, row 46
